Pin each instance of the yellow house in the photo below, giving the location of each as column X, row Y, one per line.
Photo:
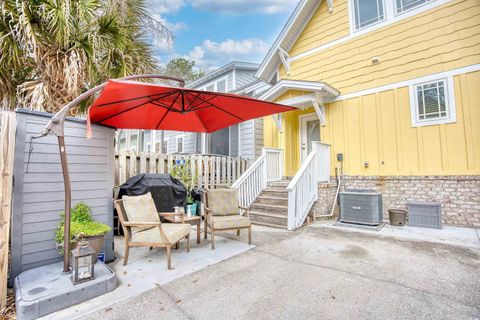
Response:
column 393, row 86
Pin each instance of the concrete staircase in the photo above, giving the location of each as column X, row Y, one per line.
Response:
column 271, row 206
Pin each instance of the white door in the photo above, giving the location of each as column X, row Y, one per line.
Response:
column 309, row 132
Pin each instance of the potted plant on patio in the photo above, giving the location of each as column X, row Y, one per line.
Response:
column 82, row 226
column 181, row 171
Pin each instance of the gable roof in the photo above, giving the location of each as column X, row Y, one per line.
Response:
column 287, row 38
column 220, row 71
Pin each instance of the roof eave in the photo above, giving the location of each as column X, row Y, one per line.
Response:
column 285, row 85
column 272, row 60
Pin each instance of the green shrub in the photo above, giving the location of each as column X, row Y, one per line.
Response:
column 81, row 224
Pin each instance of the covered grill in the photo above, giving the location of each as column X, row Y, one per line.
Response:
column 167, row 192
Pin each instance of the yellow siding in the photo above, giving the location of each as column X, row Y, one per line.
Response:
column 440, row 39
column 324, row 27
column 377, row 128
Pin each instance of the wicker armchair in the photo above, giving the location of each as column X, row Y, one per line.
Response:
column 142, row 226
column 223, row 213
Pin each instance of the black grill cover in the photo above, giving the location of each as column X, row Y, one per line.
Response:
column 167, row 192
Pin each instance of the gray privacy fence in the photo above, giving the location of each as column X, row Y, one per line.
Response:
column 38, row 186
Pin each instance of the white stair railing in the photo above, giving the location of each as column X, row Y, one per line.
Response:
column 303, row 190
column 269, row 167
column 251, row 183
column 274, row 163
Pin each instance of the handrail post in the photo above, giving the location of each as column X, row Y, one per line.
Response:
column 264, row 169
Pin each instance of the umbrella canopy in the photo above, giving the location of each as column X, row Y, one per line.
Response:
column 127, row 104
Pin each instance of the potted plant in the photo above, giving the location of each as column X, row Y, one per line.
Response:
column 181, row 171
column 82, row 226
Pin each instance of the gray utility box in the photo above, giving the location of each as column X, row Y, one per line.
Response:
column 425, row 214
column 361, row 206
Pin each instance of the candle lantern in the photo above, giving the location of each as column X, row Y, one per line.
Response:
column 83, row 263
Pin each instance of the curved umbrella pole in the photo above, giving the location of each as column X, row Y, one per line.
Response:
column 56, row 126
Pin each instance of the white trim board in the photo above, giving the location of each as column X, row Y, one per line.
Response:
column 407, row 83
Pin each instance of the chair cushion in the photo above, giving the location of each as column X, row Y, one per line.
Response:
column 173, row 232
column 223, row 202
column 230, row 222
column 140, row 209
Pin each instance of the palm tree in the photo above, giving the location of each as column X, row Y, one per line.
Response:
column 53, row 50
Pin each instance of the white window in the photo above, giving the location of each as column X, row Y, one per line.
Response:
column 219, row 85
column 432, row 102
column 405, row 5
column 180, row 144
column 164, row 147
column 367, row 12
column 222, row 86
column 368, row 15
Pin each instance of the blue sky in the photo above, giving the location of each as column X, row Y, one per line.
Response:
column 215, row 32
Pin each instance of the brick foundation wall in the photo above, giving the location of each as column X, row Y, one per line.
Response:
column 459, row 195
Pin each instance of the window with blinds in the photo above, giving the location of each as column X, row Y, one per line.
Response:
column 405, row 5
column 431, row 101
column 367, row 12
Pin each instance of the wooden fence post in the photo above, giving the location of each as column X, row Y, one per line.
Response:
column 7, row 148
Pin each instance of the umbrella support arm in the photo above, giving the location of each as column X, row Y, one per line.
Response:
column 68, row 203
column 56, row 126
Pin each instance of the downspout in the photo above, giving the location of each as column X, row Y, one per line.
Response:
column 56, row 126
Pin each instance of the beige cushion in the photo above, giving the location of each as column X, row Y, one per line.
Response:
column 223, row 202
column 140, row 209
column 229, row 222
column 173, row 232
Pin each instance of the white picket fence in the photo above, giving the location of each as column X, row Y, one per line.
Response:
column 211, row 171
column 269, row 167
column 303, row 189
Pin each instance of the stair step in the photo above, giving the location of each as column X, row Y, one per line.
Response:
column 279, row 201
column 269, row 208
column 269, row 218
column 270, row 225
column 275, row 193
column 277, row 188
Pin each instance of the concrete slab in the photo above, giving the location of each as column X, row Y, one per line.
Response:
column 46, row 289
column 320, row 273
column 147, row 270
column 459, row 236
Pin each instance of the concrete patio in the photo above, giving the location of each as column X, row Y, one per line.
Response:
column 321, row 272
column 147, row 270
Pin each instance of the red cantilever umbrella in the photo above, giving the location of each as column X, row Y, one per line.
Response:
column 135, row 105
column 126, row 104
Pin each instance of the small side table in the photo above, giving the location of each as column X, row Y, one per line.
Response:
column 194, row 221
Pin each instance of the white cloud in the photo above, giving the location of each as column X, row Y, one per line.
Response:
column 243, row 6
column 156, row 9
column 160, row 7
column 215, row 54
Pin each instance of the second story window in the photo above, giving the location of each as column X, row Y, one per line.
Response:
column 367, row 12
column 405, row 5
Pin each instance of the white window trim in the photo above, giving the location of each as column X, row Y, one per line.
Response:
column 413, row 8
column 166, row 146
column 391, row 18
column 176, row 143
column 390, row 14
column 449, row 102
column 215, row 84
column 353, row 28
